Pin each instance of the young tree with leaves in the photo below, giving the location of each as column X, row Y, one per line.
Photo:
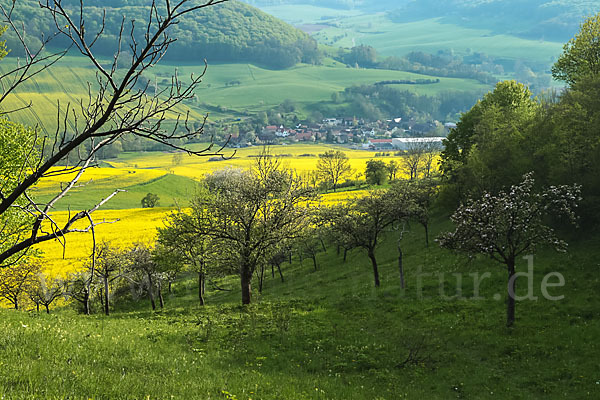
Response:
column 15, row 280
column 511, row 224
column 376, row 172
column 360, row 223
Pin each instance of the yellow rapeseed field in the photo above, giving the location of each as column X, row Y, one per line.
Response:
column 130, row 225
column 122, row 229
column 301, row 157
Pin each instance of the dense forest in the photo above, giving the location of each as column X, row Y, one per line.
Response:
column 232, row 31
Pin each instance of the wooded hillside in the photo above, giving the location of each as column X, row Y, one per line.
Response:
column 232, row 31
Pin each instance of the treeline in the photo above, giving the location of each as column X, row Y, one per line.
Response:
column 509, row 133
column 373, row 102
column 232, row 31
column 409, row 82
column 443, row 64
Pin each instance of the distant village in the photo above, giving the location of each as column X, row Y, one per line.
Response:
column 392, row 134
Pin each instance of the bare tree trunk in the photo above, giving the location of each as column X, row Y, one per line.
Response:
column 47, row 308
column 426, row 226
column 16, row 303
column 161, row 300
column 375, row 269
column 86, row 297
column 261, row 278
column 170, row 286
column 510, row 303
column 246, row 281
column 400, row 265
column 106, row 296
column 323, row 245
column 314, row 258
column 273, row 271
column 345, row 254
column 280, row 273
column 201, row 287
column 86, row 302
column 151, row 291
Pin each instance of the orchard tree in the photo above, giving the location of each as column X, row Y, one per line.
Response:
column 392, row 169
column 14, row 281
column 333, row 166
column 249, row 214
column 144, row 269
column 110, row 265
column 45, row 291
column 376, row 172
column 117, row 105
column 184, row 242
column 511, row 224
column 360, row 223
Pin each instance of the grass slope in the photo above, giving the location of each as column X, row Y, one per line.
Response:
column 325, row 334
column 259, row 88
column 431, row 35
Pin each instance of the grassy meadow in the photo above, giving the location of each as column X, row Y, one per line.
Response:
column 348, row 28
column 326, row 334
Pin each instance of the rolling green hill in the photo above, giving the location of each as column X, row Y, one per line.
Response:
column 325, row 334
column 256, row 88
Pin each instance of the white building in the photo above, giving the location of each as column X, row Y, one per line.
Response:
column 411, row 143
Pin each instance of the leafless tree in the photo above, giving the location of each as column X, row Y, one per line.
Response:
column 117, row 104
column 110, row 265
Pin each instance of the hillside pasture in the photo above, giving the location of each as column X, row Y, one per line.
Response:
column 256, row 89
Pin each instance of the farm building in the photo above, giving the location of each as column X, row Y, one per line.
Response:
column 411, row 143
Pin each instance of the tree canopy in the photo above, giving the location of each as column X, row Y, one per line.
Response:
column 581, row 55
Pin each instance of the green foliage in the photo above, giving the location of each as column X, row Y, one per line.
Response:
column 377, row 101
column 482, row 152
column 18, row 152
column 362, row 56
column 376, row 172
column 581, row 55
column 150, row 200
